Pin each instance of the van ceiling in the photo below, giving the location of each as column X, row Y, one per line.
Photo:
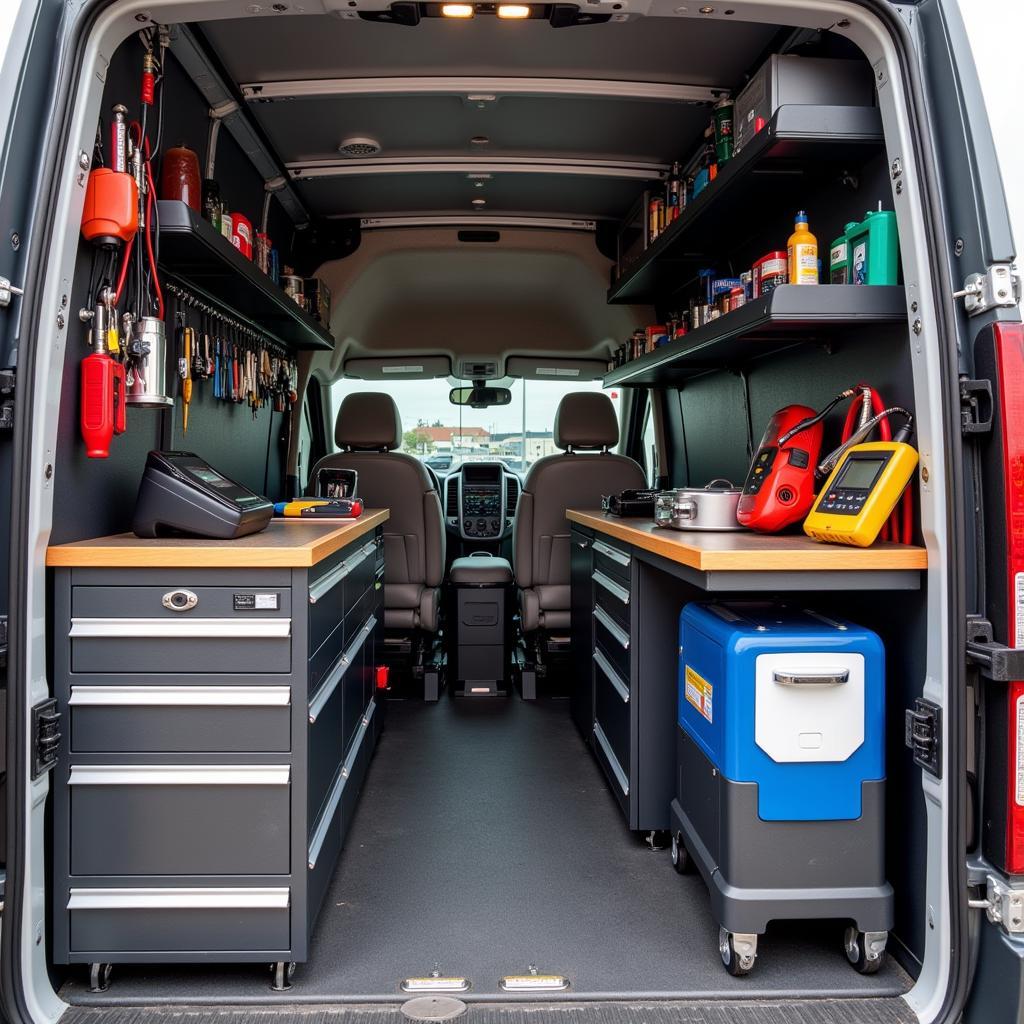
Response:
column 591, row 154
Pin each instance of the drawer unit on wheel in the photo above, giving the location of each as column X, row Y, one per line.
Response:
column 612, row 706
column 108, row 922
column 180, row 718
column 612, row 638
column 612, row 560
column 173, row 629
column 157, row 819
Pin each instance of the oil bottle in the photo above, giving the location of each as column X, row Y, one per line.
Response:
column 802, row 250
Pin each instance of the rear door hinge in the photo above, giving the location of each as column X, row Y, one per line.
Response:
column 7, row 378
column 46, row 733
column 1003, row 905
column 998, row 286
column 923, row 735
column 994, row 660
column 975, row 406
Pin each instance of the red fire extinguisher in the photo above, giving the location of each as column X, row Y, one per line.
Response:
column 103, row 389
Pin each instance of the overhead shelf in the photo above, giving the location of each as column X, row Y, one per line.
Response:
column 192, row 251
column 789, row 315
column 772, row 171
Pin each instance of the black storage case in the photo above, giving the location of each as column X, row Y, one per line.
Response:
column 480, row 625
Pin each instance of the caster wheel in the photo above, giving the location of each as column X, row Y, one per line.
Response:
column 738, row 951
column 99, row 977
column 283, row 973
column 865, row 950
column 681, row 859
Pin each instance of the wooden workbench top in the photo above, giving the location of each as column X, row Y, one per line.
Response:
column 293, row 544
column 749, row 552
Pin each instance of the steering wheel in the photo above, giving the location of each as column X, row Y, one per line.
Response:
column 435, row 479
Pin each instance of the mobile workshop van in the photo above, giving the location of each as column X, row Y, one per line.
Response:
column 465, row 460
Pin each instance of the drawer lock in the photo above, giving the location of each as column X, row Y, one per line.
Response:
column 179, row 600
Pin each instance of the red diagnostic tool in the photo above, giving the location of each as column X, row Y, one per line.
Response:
column 779, row 489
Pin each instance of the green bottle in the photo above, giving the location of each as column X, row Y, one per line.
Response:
column 839, row 256
column 874, row 248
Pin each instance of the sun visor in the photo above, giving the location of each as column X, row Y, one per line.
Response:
column 398, row 368
column 532, row 368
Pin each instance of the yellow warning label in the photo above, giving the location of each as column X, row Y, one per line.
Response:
column 698, row 692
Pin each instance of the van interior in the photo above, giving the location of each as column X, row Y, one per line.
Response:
column 358, row 206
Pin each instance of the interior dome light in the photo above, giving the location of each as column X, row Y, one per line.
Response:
column 513, row 11
column 457, row 10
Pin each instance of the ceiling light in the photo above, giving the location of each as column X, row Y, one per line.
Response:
column 513, row 11
column 479, row 140
column 358, row 146
column 457, row 10
column 479, row 202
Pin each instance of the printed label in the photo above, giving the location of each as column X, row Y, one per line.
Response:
column 1018, row 590
column 698, row 692
column 1019, row 766
column 266, row 602
column 255, row 602
column 860, row 263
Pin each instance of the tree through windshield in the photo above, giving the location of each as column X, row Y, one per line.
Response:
column 444, row 436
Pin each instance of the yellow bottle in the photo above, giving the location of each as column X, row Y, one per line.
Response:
column 802, row 249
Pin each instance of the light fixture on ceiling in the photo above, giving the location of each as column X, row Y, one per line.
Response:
column 512, row 11
column 479, row 202
column 357, row 146
column 479, row 140
column 458, row 10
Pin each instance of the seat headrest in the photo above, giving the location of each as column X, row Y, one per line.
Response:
column 368, row 421
column 586, row 420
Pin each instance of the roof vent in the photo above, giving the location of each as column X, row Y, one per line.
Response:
column 357, row 147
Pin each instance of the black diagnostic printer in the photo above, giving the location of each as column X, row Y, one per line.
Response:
column 181, row 493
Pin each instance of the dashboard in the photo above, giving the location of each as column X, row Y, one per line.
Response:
column 480, row 500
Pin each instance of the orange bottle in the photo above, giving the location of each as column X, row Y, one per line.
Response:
column 802, row 250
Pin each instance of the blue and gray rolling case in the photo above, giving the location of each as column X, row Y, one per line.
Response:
column 780, row 774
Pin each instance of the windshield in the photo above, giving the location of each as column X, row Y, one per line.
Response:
column 445, row 435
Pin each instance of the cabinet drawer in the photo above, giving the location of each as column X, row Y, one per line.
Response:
column 180, row 719
column 612, row 560
column 179, row 920
column 618, row 776
column 613, row 640
column 179, row 819
column 611, row 707
column 613, row 597
column 338, row 588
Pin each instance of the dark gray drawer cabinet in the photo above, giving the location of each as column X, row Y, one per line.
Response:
column 210, row 757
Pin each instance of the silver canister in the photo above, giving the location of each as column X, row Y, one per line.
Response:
column 293, row 287
column 146, row 367
column 699, row 508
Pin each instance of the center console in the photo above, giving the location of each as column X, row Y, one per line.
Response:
column 481, row 501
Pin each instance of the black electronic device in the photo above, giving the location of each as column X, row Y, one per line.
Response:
column 180, row 493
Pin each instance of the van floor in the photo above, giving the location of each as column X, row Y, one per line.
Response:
column 486, row 841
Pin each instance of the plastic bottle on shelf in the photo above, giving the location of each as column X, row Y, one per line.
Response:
column 802, row 252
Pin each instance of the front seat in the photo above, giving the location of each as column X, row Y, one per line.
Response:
column 553, row 484
column 368, row 431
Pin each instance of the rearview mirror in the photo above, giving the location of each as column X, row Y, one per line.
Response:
column 479, row 397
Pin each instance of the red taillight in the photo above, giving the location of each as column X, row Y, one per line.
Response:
column 382, row 677
column 1009, row 356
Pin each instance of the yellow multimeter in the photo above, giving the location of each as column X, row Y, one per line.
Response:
column 861, row 493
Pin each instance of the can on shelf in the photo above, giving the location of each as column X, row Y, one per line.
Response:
column 225, row 224
column 769, row 272
column 241, row 234
column 655, row 217
column 723, row 131
column 262, row 249
column 292, row 286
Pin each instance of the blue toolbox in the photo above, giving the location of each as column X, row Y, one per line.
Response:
column 780, row 773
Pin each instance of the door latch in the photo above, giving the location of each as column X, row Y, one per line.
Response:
column 923, row 735
column 976, row 405
column 1002, row 904
column 46, row 730
column 998, row 286
column 994, row 660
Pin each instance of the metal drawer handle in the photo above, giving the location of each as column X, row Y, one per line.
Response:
column 331, row 579
column 179, row 775
column 609, row 552
column 316, row 843
column 338, row 670
column 620, row 776
column 269, row 898
column 168, row 629
column 613, row 627
column 612, row 676
column 812, row 678
column 180, row 696
column 613, row 588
